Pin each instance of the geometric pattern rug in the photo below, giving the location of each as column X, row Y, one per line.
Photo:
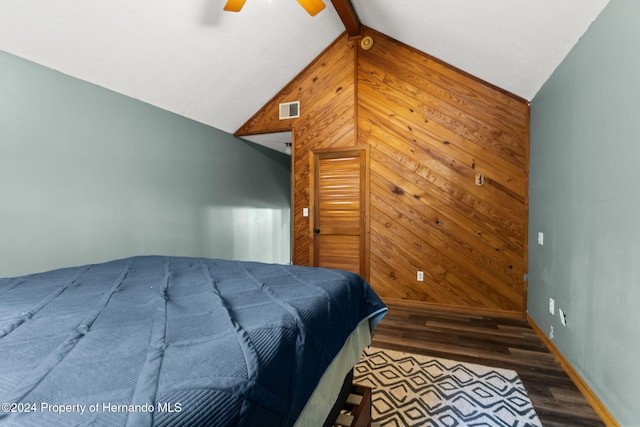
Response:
column 415, row 390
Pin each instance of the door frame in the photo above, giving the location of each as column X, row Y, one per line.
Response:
column 360, row 150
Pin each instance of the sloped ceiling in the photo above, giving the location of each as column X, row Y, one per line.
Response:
column 219, row 68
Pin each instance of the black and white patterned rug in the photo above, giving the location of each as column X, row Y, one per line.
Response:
column 416, row 390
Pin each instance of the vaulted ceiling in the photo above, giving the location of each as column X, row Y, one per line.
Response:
column 192, row 58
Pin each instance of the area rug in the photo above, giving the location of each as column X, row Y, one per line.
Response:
column 415, row 390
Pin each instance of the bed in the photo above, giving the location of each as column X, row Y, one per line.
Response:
column 177, row 341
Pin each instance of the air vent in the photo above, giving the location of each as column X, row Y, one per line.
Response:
column 289, row 110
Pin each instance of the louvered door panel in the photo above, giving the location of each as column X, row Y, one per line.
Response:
column 339, row 194
column 339, row 211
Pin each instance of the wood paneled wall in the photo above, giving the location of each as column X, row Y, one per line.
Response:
column 430, row 129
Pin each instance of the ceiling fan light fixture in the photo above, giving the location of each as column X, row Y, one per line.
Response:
column 313, row 7
column 234, row 5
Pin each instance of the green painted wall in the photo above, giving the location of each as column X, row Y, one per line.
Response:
column 585, row 198
column 88, row 175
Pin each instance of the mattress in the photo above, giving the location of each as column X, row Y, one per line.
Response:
column 173, row 341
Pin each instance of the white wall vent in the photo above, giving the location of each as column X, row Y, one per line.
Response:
column 289, row 110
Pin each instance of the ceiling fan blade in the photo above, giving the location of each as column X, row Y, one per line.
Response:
column 312, row 6
column 234, row 5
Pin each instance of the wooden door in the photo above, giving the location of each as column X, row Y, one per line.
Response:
column 339, row 197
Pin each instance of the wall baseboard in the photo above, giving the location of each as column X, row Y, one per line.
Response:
column 453, row 308
column 593, row 400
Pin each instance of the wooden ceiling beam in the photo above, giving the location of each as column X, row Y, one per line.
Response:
column 348, row 16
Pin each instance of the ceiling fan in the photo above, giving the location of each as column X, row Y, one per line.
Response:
column 311, row 6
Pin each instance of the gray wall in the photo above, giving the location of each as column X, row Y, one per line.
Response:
column 88, row 175
column 584, row 197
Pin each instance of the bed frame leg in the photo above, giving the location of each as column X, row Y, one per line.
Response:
column 356, row 411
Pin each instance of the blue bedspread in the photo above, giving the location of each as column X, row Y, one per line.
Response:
column 172, row 341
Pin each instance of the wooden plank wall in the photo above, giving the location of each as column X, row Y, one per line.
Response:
column 430, row 129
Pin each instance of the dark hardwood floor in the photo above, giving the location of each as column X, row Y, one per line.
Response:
column 500, row 342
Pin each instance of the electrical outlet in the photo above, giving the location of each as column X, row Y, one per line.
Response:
column 551, row 333
column 540, row 238
column 420, row 276
column 552, row 307
column 563, row 317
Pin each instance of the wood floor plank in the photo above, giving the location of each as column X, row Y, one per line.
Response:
column 506, row 343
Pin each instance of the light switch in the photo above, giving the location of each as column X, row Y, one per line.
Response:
column 305, row 211
column 540, row 238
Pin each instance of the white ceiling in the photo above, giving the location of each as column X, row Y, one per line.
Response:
column 219, row 68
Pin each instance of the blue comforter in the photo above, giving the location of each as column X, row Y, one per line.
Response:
column 172, row 341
